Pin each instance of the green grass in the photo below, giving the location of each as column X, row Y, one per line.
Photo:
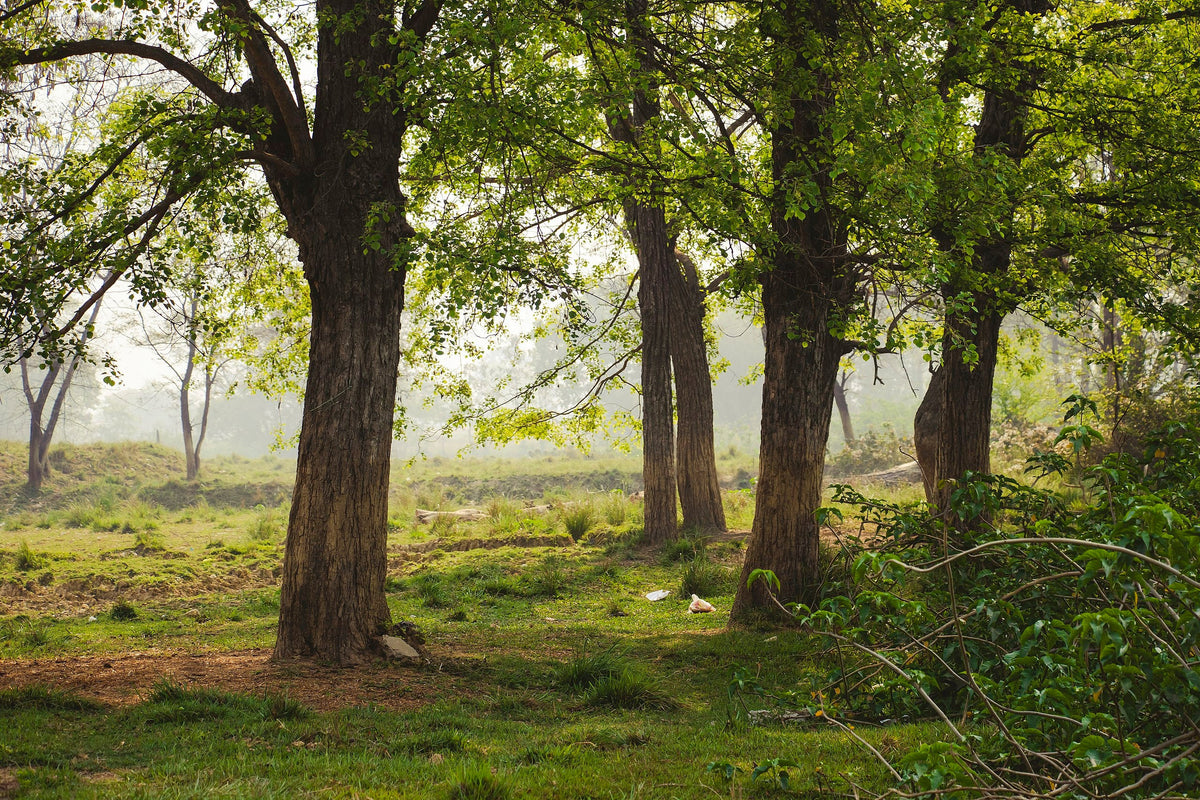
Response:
column 552, row 675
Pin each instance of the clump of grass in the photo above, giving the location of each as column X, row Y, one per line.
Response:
column 148, row 539
column 443, row 741
column 548, row 579
column 615, row 509
column 479, row 783
column 706, row 579
column 628, row 688
column 583, row 671
column 690, row 546
column 123, row 612
column 578, row 519
column 43, row 698
column 266, row 526
column 431, row 590
column 27, row 559
column 458, row 615
column 282, row 707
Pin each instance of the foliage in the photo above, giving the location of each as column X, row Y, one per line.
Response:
column 1062, row 640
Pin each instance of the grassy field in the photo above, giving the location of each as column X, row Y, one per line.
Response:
column 137, row 614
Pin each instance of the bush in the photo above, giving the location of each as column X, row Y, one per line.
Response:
column 1068, row 634
column 267, row 525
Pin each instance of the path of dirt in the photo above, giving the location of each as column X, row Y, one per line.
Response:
column 125, row 679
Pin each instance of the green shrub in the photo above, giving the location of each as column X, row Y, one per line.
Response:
column 149, row 540
column 615, row 509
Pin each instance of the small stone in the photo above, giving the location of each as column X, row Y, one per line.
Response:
column 398, row 648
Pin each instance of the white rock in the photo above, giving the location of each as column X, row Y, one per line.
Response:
column 398, row 648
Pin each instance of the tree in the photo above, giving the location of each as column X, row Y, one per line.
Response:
column 335, row 176
column 52, row 389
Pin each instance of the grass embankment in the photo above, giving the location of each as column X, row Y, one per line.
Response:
column 550, row 674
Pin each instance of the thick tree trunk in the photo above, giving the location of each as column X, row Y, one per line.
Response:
column 332, row 605
column 655, row 259
column 347, row 214
column 964, row 443
column 699, row 485
column 843, row 410
column 800, row 369
column 927, row 431
column 805, row 286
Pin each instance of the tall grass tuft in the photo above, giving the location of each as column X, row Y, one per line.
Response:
column 267, row 525
column 579, row 519
column 27, row 559
column 478, row 782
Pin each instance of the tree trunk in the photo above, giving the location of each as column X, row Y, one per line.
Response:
column 332, row 605
column 843, row 409
column 806, row 284
column 191, row 457
column 699, row 485
column 39, row 461
column 347, row 214
column 964, row 443
column 655, row 260
column 800, row 369
column 927, row 428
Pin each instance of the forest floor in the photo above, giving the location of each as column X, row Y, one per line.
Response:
column 133, row 626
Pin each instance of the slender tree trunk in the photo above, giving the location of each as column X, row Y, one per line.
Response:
column 658, row 423
column 927, row 428
column 699, row 485
column 806, row 284
column 191, row 457
column 843, row 409
column 645, row 219
column 39, row 461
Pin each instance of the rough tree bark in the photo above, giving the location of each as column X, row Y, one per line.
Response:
column 927, row 425
column 805, row 283
column 970, row 341
column 699, row 485
column 346, row 213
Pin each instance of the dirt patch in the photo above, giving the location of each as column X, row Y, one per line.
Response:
column 122, row 680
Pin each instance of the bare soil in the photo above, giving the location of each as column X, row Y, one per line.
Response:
column 121, row 680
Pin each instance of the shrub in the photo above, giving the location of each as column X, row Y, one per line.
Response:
column 1067, row 634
